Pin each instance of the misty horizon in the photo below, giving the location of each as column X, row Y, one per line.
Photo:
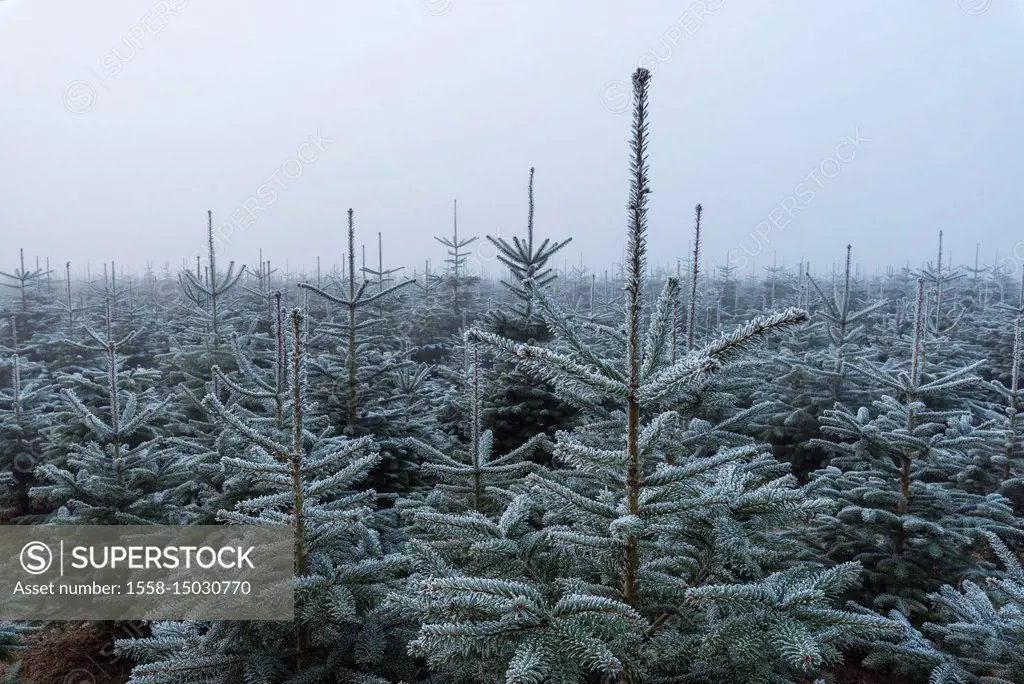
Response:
column 799, row 130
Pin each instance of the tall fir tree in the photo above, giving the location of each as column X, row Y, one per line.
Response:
column 641, row 569
column 903, row 515
column 122, row 475
column 304, row 478
column 521, row 405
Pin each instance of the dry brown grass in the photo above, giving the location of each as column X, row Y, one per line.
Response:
column 74, row 653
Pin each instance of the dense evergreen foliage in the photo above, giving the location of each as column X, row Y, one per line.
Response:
column 538, row 475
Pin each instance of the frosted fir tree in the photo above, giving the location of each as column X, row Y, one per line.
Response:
column 454, row 373
column 991, row 468
column 348, row 370
column 67, row 304
column 207, row 291
column 121, row 475
column 720, row 409
column 939, row 320
column 428, row 318
column 264, row 390
column 364, row 377
column 1012, row 397
column 110, row 289
column 520, row 405
column 982, row 630
column 307, row 479
column 942, row 332
column 194, row 348
column 975, row 632
column 417, row 386
column 811, row 371
column 382, row 278
column 476, row 520
column 471, row 520
column 258, row 387
column 525, row 260
column 456, row 277
column 21, row 404
column 641, row 569
column 261, row 287
column 473, row 478
column 902, row 514
column 22, row 278
column 844, row 326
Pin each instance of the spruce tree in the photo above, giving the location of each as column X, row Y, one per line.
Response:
column 473, row 476
column 20, row 420
column 193, row 349
column 982, row 630
column 893, row 471
column 305, row 478
column 525, row 261
column 1013, row 407
column 206, row 293
column 355, row 342
column 812, row 370
column 521, row 405
column 975, row 635
column 122, row 475
column 641, row 569
column 22, row 278
column 456, row 277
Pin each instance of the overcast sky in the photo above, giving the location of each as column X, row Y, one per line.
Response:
column 800, row 125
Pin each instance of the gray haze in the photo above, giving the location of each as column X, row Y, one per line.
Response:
column 114, row 151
